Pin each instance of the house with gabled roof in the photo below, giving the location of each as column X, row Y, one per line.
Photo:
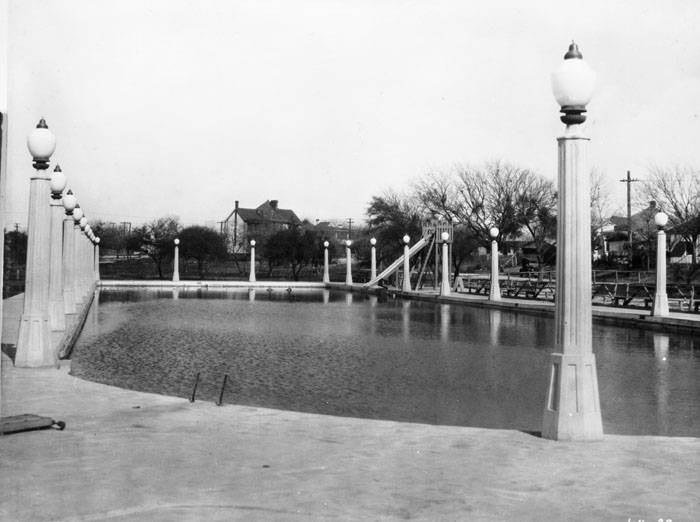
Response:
column 244, row 224
column 643, row 230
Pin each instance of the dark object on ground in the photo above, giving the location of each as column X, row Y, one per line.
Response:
column 28, row 422
column 525, row 265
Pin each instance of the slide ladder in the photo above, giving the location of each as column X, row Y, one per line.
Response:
column 393, row 267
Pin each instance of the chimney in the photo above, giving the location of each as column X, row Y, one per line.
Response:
column 273, row 204
column 652, row 204
column 236, row 205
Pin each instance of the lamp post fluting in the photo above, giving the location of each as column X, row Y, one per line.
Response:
column 445, row 281
column 495, row 291
column 660, row 308
column 373, row 259
column 176, row 260
column 572, row 407
column 85, row 263
column 89, row 263
column 34, row 341
column 69, row 201
column 326, row 274
column 348, row 262
column 406, row 287
column 251, row 278
column 57, row 309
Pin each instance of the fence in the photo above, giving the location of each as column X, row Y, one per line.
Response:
column 616, row 288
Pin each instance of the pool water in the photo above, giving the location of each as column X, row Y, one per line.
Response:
column 347, row 354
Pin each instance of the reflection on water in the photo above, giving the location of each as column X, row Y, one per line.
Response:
column 661, row 346
column 330, row 352
column 494, row 325
column 444, row 323
column 406, row 320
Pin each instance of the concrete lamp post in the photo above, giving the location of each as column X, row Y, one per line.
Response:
column 57, row 309
column 326, row 275
column 660, row 308
column 96, row 242
column 83, row 273
column 251, row 278
column 406, row 265
column 91, row 259
column 176, row 261
column 77, row 254
column 445, row 282
column 373, row 259
column 495, row 292
column 87, row 256
column 90, row 265
column 348, row 263
column 69, row 203
column 572, row 408
column 34, row 341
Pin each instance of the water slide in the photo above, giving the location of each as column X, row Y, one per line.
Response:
column 393, row 267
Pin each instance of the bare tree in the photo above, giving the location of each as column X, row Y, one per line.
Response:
column 600, row 206
column 438, row 195
column 536, row 203
column 676, row 191
column 498, row 193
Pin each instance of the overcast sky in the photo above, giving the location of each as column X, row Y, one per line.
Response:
column 182, row 107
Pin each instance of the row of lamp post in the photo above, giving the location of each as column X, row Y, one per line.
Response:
column 445, row 281
column 445, row 284
column 62, row 257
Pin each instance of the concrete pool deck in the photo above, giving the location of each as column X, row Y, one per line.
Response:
column 681, row 322
column 127, row 455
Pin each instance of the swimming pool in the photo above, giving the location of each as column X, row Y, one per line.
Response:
column 338, row 353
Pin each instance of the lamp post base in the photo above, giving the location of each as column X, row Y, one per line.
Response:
column 57, row 315
column 572, row 411
column 660, row 308
column 34, row 348
column 445, row 289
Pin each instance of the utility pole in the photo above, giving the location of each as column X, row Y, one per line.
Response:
column 350, row 221
column 629, row 180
